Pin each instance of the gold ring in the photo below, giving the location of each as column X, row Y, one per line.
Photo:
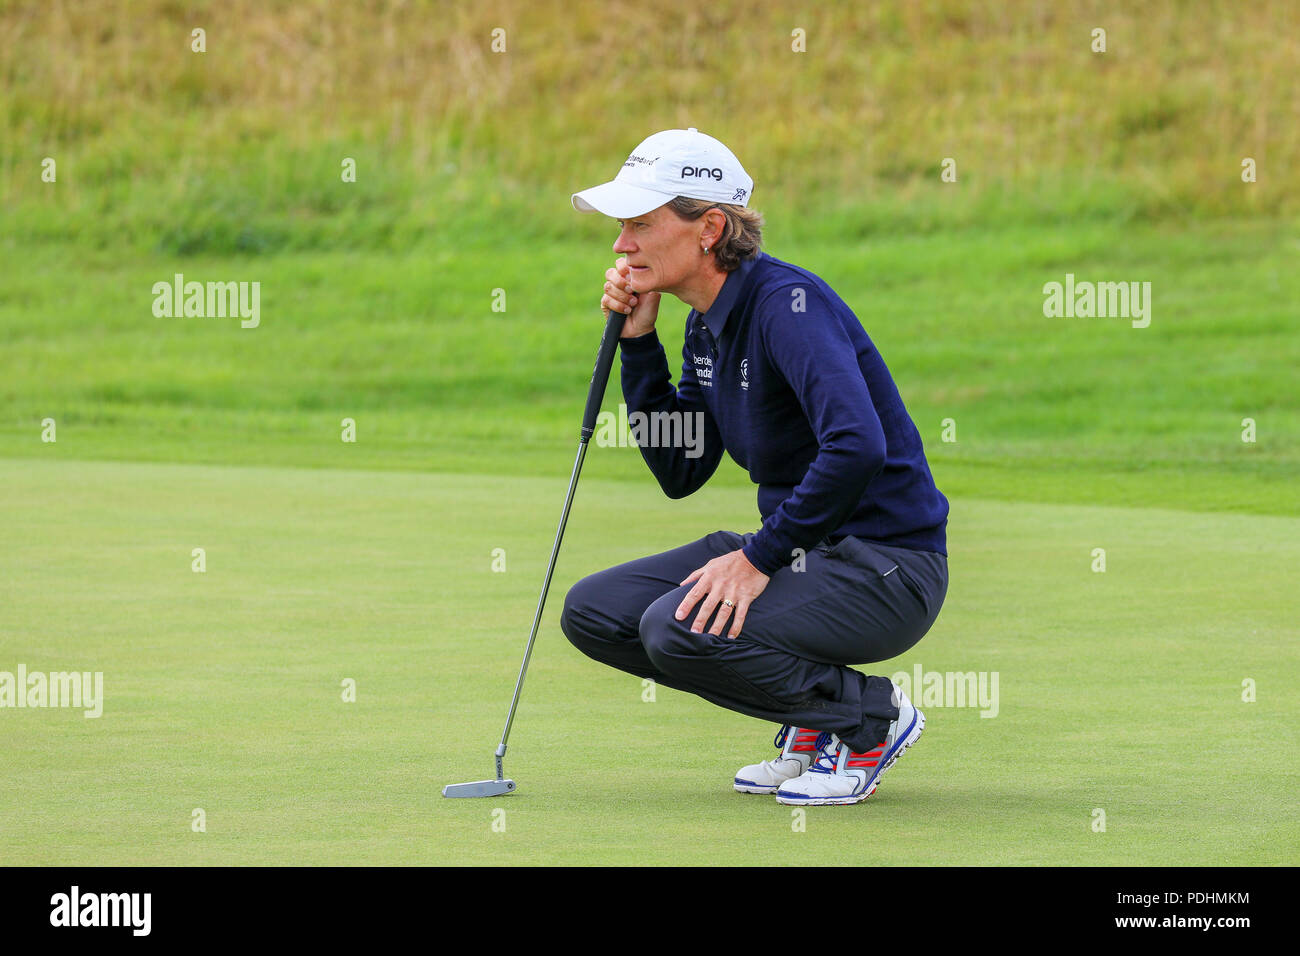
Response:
column 728, row 604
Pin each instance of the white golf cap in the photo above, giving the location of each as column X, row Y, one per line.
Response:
column 675, row 162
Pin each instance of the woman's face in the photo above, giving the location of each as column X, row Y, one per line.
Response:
column 665, row 252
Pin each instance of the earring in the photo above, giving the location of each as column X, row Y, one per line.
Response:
column 706, row 250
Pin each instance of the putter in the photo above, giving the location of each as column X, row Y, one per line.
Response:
column 595, row 392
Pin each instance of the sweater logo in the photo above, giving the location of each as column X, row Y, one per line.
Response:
column 744, row 373
column 703, row 370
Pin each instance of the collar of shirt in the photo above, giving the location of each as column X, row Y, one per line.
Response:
column 716, row 316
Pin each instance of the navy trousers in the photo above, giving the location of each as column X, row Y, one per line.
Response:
column 852, row 602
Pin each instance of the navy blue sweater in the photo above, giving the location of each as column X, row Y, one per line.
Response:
column 790, row 385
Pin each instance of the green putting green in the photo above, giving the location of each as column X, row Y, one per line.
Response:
column 1118, row 691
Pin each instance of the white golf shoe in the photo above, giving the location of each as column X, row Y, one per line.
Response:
column 838, row 775
column 798, row 746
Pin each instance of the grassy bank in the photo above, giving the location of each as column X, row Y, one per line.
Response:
column 408, row 345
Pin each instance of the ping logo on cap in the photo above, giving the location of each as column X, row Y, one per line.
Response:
column 672, row 162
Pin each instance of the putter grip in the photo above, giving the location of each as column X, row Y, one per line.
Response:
column 600, row 374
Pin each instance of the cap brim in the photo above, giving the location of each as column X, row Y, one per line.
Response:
column 619, row 200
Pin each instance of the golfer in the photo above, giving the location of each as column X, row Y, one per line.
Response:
column 849, row 566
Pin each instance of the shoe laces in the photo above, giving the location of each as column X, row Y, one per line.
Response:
column 827, row 755
column 779, row 742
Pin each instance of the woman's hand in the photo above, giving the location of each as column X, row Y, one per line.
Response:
column 641, row 309
column 730, row 577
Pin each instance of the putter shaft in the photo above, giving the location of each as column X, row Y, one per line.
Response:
column 541, row 603
column 595, row 392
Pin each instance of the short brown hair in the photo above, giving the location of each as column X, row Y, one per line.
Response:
column 742, row 235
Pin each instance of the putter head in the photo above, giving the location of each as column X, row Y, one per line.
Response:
column 479, row 788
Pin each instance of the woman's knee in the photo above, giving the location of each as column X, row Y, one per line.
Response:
column 577, row 619
column 668, row 641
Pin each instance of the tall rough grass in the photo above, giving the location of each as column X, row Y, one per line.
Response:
column 239, row 148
